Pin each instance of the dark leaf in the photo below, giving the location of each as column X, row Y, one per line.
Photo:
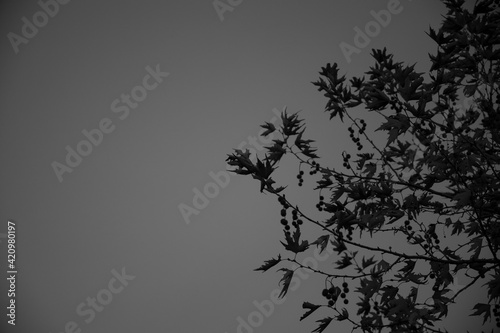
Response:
column 269, row 127
column 322, row 242
column 482, row 309
column 311, row 307
column 346, row 261
column 343, row 316
column 293, row 243
column 368, row 262
column 269, row 264
column 285, row 281
column 323, row 324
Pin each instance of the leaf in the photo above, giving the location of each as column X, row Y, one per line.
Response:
column 458, row 227
column 269, row 127
column 292, row 243
column 311, row 307
column 370, row 169
column 389, row 294
column 470, row 90
column 285, row 280
column 343, row 316
column 450, row 254
column 276, row 151
column 339, row 246
column 382, row 265
column 291, row 124
column 395, row 125
column 482, row 309
column 323, row 324
column 279, row 189
column 366, row 263
column 302, row 144
column 393, row 135
column 410, row 264
column 346, row 261
column 369, row 287
column 269, row 264
column 322, row 242
column 475, row 246
column 493, row 287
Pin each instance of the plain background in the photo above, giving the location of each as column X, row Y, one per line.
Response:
column 120, row 206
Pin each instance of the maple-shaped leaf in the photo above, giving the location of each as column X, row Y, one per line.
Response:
column 368, row 262
column 302, row 143
column 311, row 307
column 309, row 152
column 395, row 125
column 241, row 160
column 368, row 287
column 410, row 265
column 364, row 307
column 285, row 280
column 346, row 261
column 482, row 309
column 458, row 227
column 343, row 316
column 339, row 246
column 294, row 244
column 291, row 123
column 269, row 127
column 322, row 242
column 324, row 182
column 323, row 324
column 276, row 151
column 269, row 264
column 494, row 287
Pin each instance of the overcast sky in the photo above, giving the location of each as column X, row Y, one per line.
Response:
column 115, row 114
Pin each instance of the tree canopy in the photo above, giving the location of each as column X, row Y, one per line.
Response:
column 432, row 187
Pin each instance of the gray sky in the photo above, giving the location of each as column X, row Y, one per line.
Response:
column 118, row 208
